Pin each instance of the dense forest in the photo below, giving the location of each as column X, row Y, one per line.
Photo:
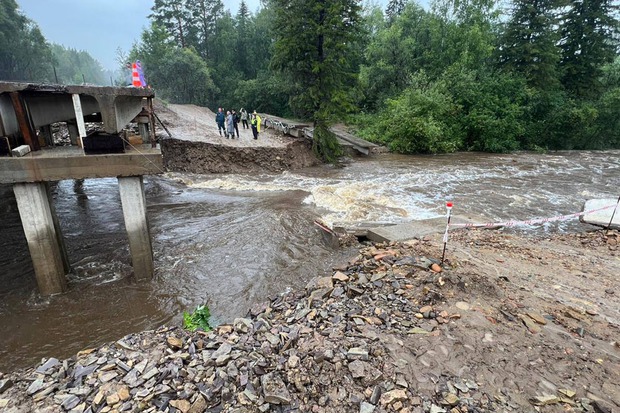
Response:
column 474, row 75
column 461, row 75
column 25, row 54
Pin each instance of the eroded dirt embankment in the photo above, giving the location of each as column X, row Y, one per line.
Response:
column 197, row 146
column 206, row 157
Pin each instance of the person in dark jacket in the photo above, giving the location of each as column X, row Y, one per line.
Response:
column 220, row 119
column 236, row 122
column 255, row 122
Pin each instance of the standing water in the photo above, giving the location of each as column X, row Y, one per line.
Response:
column 234, row 240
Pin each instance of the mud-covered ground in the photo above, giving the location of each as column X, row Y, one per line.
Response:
column 512, row 324
column 196, row 145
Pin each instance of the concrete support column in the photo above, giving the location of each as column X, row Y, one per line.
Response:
column 143, row 128
column 134, row 210
column 37, row 219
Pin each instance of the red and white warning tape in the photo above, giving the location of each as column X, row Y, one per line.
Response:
column 530, row 221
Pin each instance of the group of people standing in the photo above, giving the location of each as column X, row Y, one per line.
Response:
column 229, row 122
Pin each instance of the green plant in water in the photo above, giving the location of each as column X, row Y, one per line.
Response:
column 199, row 319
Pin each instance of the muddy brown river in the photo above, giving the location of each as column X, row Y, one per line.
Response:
column 233, row 240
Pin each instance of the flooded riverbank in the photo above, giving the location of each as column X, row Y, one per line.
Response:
column 233, row 240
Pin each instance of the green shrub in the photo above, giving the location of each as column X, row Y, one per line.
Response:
column 199, row 319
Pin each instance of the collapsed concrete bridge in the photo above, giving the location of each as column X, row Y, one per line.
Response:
column 26, row 107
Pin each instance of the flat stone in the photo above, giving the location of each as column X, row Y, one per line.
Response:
column 545, row 400
column 325, row 282
column 530, row 324
column 151, row 373
column 340, row 276
column 50, row 363
column 242, row 325
column 451, row 399
column 35, row 386
column 112, row 399
column 80, row 371
column 537, row 317
column 4, row 403
column 390, row 397
column 357, row 353
column 357, row 369
column 199, row 405
column 462, row 305
column 274, row 389
column 437, row 409
column 106, row 376
column 223, row 350
column 5, row 385
column 182, row 405
column 70, row 402
column 366, row 407
column 174, row 343
column 123, row 393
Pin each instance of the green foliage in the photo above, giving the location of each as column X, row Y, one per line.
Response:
column 589, row 32
column 25, row 55
column 199, row 319
column 528, row 43
column 314, row 44
column 73, row 66
column 183, row 77
column 418, row 121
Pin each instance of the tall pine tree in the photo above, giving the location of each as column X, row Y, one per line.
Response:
column 529, row 42
column 175, row 16
column 589, row 29
column 314, row 40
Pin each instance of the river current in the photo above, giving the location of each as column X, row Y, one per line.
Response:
column 234, row 240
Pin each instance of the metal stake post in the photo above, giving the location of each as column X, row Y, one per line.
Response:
column 445, row 235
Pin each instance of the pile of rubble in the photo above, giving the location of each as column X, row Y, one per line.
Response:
column 328, row 348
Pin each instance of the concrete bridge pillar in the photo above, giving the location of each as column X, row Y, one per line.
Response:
column 43, row 236
column 134, row 210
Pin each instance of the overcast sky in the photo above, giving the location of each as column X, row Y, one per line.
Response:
column 100, row 26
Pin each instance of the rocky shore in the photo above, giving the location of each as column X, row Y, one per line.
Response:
column 387, row 332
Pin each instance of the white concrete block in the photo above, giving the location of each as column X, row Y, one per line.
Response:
column 601, row 218
column 21, row 150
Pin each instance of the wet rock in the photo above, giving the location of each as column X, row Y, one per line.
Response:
column 367, row 407
column 49, row 364
column 274, row 389
column 70, row 402
column 36, row 386
column 5, row 385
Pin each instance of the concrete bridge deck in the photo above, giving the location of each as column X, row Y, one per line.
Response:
column 26, row 107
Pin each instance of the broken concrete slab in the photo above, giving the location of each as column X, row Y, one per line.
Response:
column 601, row 218
column 407, row 230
